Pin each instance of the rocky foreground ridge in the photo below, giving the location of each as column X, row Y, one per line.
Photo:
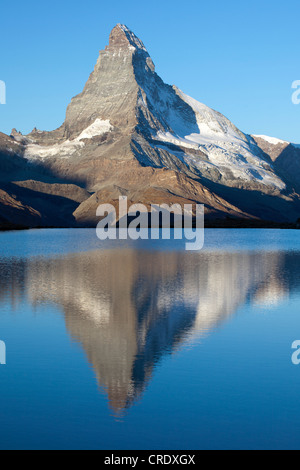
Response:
column 129, row 133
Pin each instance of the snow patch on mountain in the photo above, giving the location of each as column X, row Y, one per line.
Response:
column 99, row 127
column 212, row 127
column 69, row 147
column 65, row 149
column 212, row 124
column 226, row 148
column 271, row 140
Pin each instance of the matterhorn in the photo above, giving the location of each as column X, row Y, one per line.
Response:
column 130, row 134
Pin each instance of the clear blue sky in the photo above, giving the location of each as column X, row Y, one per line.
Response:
column 237, row 57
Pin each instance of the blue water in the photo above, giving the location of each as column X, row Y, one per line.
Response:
column 143, row 345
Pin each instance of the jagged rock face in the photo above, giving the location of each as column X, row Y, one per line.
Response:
column 127, row 119
column 286, row 158
column 111, row 90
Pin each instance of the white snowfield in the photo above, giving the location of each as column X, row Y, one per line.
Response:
column 99, row 127
column 69, row 147
column 271, row 140
column 225, row 147
column 274, row 141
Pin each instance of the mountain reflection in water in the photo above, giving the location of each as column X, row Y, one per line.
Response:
column 128, row 308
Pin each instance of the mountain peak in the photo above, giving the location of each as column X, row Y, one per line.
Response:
column 128, row 132
column 121, row 36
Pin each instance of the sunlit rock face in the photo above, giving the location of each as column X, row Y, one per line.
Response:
column 111, row 91
column 285, row 157
column 128, row 308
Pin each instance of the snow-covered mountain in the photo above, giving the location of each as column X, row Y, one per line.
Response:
column 130, row 133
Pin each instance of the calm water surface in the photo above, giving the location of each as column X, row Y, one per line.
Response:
column 145, row 345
